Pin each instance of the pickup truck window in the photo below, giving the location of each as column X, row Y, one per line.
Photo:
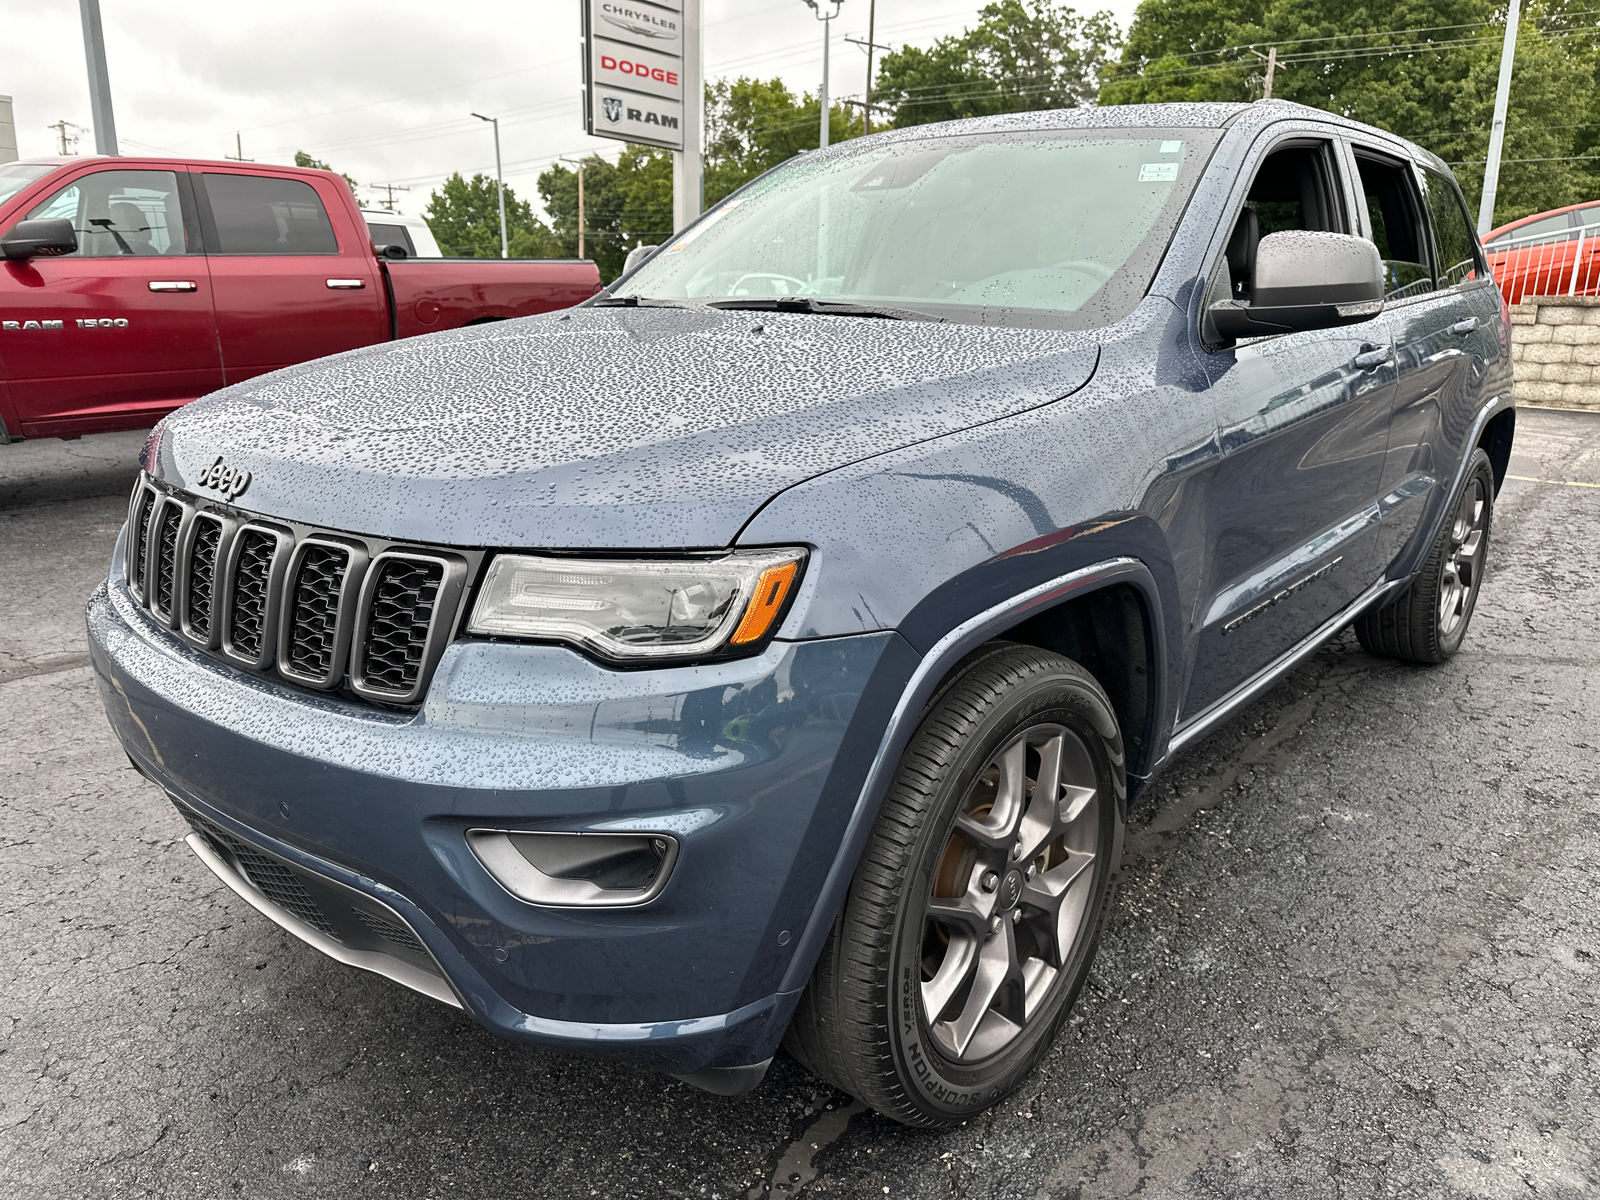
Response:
column 1060, row 229
column 16, row 176
column 119, row 213
column 392, row 235
column 259, row 214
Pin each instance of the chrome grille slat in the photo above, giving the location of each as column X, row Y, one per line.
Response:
column 321, row 610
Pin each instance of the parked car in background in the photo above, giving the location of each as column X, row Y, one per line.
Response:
column 410, row 234
column 1555, row 253
column 707, row 667
column 129, row 286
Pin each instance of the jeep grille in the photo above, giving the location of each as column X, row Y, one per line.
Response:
column 319, row 608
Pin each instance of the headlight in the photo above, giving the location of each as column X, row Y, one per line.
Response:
column 641, row 609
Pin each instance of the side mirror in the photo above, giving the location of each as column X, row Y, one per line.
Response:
column 1305, row 280
column 49, row 238
column 392, row 251
column 636, row 256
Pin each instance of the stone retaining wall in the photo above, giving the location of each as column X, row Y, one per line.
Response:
column 1555, row 351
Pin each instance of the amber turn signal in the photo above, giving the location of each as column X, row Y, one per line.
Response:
column 766, row 602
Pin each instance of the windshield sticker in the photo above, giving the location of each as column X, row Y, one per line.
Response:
column 1158, row 172
column 704, row 225
column 1171, row 147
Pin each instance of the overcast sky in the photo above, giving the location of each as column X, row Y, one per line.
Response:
column 384, row 92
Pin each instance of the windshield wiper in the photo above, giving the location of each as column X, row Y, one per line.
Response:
column 829, row 308
column 632, row 302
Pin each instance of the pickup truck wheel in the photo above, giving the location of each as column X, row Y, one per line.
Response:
column 1427, row 621
column 976, row 909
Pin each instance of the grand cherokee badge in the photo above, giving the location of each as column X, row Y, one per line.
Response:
column 229, row 482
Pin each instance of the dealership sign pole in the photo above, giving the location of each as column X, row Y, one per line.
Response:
column 641, row 83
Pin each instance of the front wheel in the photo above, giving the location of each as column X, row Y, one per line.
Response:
column 1427, row 621
column 975, row 912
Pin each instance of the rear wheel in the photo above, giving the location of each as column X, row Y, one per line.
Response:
column 1427, row 621
column 976, row 910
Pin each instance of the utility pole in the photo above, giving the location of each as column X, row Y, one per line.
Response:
column 867, row 105
column 94, row 49
column 688, row 169
column 68, row 140
column 827, row 19
column 872, row 37
column 1271, row 59
column 582, row 224
column 238, row 150
column 1497, row 129
column 499, row 183
column 391, row 189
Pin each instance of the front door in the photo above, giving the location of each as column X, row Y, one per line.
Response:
column 289, row 285
column 1302, row 422
column 121, row 332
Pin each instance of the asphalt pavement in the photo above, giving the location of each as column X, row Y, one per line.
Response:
column 1355, row 954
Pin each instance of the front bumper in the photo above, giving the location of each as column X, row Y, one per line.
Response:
column 754, row 766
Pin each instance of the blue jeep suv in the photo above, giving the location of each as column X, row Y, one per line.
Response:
column 767, row 650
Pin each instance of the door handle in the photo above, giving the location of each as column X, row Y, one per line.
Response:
column 347, row 283
column 1463, row 327
column 174, row 285
column 1373, row 357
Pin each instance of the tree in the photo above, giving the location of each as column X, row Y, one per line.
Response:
column 464, row 215
column 302, row 159
column 753, row 125
column 1424, row 69
column 1022, row 55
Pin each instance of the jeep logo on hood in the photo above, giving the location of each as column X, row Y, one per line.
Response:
column 230, row 482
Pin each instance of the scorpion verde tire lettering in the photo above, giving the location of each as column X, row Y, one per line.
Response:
column 976, row 909
column 1427, row 621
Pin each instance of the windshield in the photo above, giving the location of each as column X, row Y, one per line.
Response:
column 1059, row 228
column 16, row 176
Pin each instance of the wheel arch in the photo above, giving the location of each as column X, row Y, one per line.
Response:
column 1111, row 603
column 1496, row 441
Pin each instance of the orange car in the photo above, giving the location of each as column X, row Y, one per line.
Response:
column 1536, row 256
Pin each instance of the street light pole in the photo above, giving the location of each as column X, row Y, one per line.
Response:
column 94, row 49
column 499, row 183
column 826, row 18
column 1497, row 129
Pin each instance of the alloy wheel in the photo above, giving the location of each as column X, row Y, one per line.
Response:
column 1463, row 561
column 1011, row 894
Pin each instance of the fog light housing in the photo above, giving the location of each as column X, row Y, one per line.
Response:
column 577, row 870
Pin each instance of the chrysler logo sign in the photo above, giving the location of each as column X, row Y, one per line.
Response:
column 224, row 479
column 640, row 22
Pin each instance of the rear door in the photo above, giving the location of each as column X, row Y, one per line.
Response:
column 292, row 282
column 1303, row 422
column 1442, row 312
column 123, row 331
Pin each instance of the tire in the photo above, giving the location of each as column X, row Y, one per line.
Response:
column 1427, row 621
column 931, row 922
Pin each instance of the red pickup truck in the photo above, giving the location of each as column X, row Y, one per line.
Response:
column 130, row 286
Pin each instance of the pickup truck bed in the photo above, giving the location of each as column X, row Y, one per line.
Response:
column 171, row 278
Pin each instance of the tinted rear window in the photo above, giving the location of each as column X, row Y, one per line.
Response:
column 256, row 214
column 391, row 235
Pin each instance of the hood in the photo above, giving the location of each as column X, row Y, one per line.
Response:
column 602, row 428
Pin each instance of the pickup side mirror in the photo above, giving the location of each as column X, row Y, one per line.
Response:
column 1305, row 280
column 392, row 250
column 636, row 256
column 49, row 238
